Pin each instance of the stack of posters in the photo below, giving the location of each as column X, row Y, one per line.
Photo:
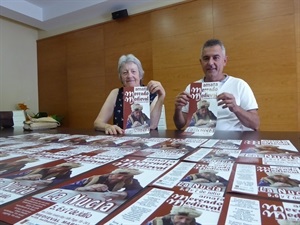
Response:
column 160, row 206
column 206, row 178
column 171, row 148
column 278, row 182
column 207, row 155
column 88, row 197
column 248, row 210
column 269, row 152
column 116, row 180
column 51, row 172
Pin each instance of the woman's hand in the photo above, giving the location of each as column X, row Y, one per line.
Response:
column 156, row 87
column 113, row 129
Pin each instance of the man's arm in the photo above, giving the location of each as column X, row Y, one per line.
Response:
column 248, row 118
column 180, row 117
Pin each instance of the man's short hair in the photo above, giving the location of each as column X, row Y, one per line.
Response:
column 185, row 211
column 211, row 43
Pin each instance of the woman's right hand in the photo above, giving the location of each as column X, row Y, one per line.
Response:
column 93, row 187
column 113, row 129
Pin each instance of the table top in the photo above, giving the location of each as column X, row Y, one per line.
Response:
column 294, row 137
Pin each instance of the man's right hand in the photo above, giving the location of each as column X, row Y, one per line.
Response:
column 181, row 100
column 30, row 177
column 93, row 187
column 136, row 124
column 113, row 129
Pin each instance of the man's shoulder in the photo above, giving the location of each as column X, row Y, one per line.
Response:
column 235, row 79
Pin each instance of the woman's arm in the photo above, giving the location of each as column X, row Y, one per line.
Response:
column 106, row 112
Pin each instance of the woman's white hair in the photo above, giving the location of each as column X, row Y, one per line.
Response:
column 130, row 58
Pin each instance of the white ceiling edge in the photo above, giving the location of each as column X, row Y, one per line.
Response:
column 52, row 17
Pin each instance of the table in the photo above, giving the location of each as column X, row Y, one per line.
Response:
column 294, row 137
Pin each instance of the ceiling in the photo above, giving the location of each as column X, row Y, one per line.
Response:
column 55, row 14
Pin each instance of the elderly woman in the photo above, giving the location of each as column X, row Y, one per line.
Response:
column 131, row 74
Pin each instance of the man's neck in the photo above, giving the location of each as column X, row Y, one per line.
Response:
column 216, row 80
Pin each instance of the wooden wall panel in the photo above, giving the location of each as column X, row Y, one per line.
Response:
column 52, row 77
column 182, row 19
column 174, row 61
column 86, row 75
column 177, row 35
column 271, row 78
column 127, row 36
column 297, row 36
column 86, row 95
column 127, row 31
column 232, row 12
column 261, row 37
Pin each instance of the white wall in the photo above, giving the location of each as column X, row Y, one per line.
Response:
column 18, row 66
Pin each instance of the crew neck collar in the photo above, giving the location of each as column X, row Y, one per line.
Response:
column 222, row 81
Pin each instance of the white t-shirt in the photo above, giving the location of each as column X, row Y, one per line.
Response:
column 244, row 97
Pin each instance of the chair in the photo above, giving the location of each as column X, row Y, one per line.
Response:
column 6, row 119
column 12, row 118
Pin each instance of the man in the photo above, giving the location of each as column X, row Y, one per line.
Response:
column 220, row 156
column 14, row 166
column 137, row 117
column 203, row 116
column 117, row 180
column 237, row 105
column 206, row 177
column 179, row 215
column 279, row 180
column 50, row 175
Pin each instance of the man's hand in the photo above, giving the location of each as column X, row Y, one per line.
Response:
column 93, row 187
column 201, row 122
column 136, row 124
column 248, row 118
column 30, row 177
column 227, row 100
column 181, row 100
